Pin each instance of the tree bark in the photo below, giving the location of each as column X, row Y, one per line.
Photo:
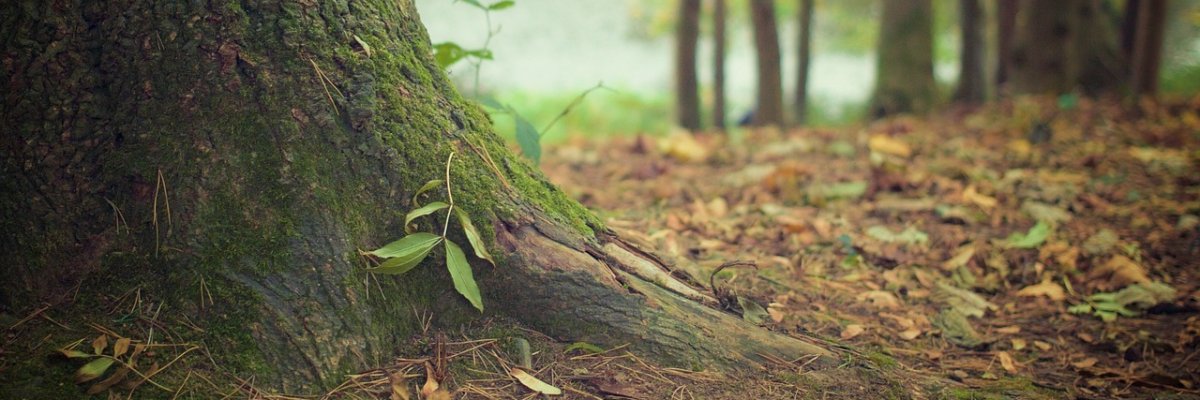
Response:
column 1006, row 14
column 803, row 57
column 972, row 87
column 904, row 67
column 1147, row 49
column 769, row 107
column 242, row 153
column 719, row 41
column 1064, row 45
column 687, row 32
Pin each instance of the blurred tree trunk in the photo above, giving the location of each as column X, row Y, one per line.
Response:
column 1006, row 24
column 904, row 68
column 719, row 41
column 972, row 85
column 1129, row 24
column 687, row 33
column 1147, row 47
column 1063, row 45
column 769, row 107
column 242, row 153
column 803, row 58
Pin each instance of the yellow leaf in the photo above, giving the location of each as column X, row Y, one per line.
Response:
column 1009, row 330
column 533, row 383
column 100, row 344
column 983, row 201
column 682, row 146
column 851, row 331
column 1046, row 288
column 887, row 145
column 440, row 394
column 776, row 314
column 1085, row 363
column 961, row 257
column 121, row 347
column 1007, row 362
column 399, row 387
column 1043, row 346
column 910, row 334
column 1018, row 344
column 431, row 385
column 1118, row 272
column 881, row 299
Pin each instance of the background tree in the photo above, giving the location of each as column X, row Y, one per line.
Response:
column 687, row 33
column 769, row 102
column 719, row 41
column 243, row 153
column 803, row 57
column 1006, row 27
column 904, row 69
column 1147, row 46
column 972, row 85
column 1062, row 45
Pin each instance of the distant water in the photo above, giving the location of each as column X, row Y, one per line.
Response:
column 568, row 45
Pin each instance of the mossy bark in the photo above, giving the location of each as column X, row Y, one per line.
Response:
column 247, row 150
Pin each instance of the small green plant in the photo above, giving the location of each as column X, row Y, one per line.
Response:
column 406, row 253
column 449, row 53
column 528, row 137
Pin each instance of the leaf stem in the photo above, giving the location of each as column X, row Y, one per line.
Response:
column 449, row 196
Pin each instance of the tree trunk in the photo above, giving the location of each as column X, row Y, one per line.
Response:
column 1062, row 45
column 972, row 87
column 804, row 40
column 242, row 153
column 769, row 107
column 1006, row 14
column 719, row 41
column 904, row 67
column 687, row 32
column 1147, row 49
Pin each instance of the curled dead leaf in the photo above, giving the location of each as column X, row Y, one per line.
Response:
column 887, row 145
column 1047, row 288
column 534, row 383
column 880, row 298
column 1007, row 361
column 1118, row 272
column 1085, row 363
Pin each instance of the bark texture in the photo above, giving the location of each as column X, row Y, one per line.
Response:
column 687, row 33
column 904, row 69
column 248, row 150
column 1147, row 47
column 1064, row 45
column 972, row 87
column 769, row 105
column 803, row 57
column 719, row 41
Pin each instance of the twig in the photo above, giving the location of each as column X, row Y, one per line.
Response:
column 570, row 106
column 449, row 196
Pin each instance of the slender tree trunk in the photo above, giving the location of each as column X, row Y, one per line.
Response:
column 1129, row 24
column 904, row 68
column 687, row 33
column 1147, row 49
column 1006, row 14
column 719, row 42
column 1099, row 61
column 1063, row 45
column 972, row 87
column 769, row 107
column 803, row 58
column 229, row 160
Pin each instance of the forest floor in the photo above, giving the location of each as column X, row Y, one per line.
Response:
column 1054, row 242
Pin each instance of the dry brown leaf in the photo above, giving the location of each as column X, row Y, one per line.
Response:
column 880, row 298
column 121, row 347
column 440, row 394
column 1007, row 362
column 533, row 383
column 851, row 331
column 682, row 146
column 887, row 145
column 1046, row 288
column 1009, row 330
column 99, row 344
column 910, row 334
column 776, row 313
column 431, row 385
column 1118, row 272
column 1085, row 363
column 961, row 257
column 1043, row 346
column 1018, row 344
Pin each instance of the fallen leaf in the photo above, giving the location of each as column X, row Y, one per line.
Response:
column 983, row 201
column 1047, row 288
column 399, row 386
column 99, row 344
column 1085, row 363
column 1009, row 330
column 887, row 145
column 440, row 394
column 1043, row 346
column 851, row 331
column 1018, row 344
column 910, row 334
column 533, row 383
column 776, row 314
column 1118, row 272
column 881, row 299
column 1007, row 362
column 682, row 146
column 961, row 257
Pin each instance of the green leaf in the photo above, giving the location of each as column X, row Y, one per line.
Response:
column 423, row 211
column 448, row 53
column 1032, row 239
column 585, row 347
column 491, row 102
column 406, row 253
column 460, row 273
column 93, row 369
column 751, row 311
column 75, row 353
column 425, row 188
column 529, row 139
column 475, row 3
column 473, row 236
column 483, row 54
column 500, row 5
